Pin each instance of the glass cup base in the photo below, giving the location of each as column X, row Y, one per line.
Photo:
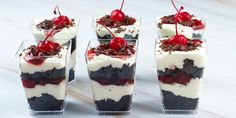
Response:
column 113, row 112
column 167, row 111
column 54, row 112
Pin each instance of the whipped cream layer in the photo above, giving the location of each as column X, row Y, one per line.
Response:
column 61, row 37
column 57, row 61
column 168, row 30
column 103, row 92
column 121, row 31
column 102, row 60
column 57, row 91
column 191, row 90
column 176, row 58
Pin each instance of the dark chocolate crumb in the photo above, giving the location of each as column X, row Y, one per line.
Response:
column 107, row 21
column 104, row 49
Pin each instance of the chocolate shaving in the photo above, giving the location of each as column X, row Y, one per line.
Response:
column 126, row 50
column 107, row 21
column 34, row 51
column 170, row 20
column 48, row 24
column 191, row 45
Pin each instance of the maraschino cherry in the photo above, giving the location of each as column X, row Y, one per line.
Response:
column 116, row 43
column 118, row 15
column 181, row 16
column 57, row 20
column 179, row 39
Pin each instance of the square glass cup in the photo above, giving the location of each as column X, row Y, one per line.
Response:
column 70, row 34
column 126, row 32
column 44, row 78
column 112, row 78
column 180, row 75
column 168, row 30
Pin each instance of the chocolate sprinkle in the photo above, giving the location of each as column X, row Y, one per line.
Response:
column 107, row 21
column 34, row 51
column 170, row 20
column 48, row 24
column 191, row 45
column 104, row 49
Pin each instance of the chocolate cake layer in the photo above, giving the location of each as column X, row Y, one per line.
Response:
column 108, row 36
column 71, row 74
column 110, row 105
column 114, row 81
column 173, row 102
column 49, row 74
column 45, row 103
column 188, row 68
column 109, row 73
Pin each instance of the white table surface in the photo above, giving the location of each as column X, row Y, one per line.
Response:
column 219, row 89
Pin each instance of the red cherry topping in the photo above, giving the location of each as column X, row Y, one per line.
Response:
column 181, row 16
column 90, row 54
column 198, row 24
column 61, row 20
column 47, row 46
column 117, row 43
column 179, row 39
column 57, row 21
column 118, row 15
column 34, row 60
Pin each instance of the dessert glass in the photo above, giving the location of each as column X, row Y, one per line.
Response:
column 44, row 78
column 112, row 78
column 168, row 30
column 126, row 32
column 180, row 75
column 70, row 34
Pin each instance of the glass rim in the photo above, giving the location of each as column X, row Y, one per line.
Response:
column 32, row 42
column 114, row 56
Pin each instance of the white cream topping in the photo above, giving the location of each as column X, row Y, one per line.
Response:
column 168, row 30
column 103, row 92
column 57, row 61
column 60, row 37
column 176, row 58
column 132, row 30
column 57, row 91
column 103, row 61
column 191, row 90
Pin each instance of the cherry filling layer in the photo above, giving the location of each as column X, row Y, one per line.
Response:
column 33, row 83
column 181, row 76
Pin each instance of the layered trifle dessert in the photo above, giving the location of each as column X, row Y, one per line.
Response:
column 180, row 64
column 190, row 26
column 44, row 74
column 63, row 28
column 120, row 24
column 111, row 67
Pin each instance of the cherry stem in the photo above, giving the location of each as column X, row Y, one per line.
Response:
column 176, row 28
column 122, row 5
column 106, row 28
column 174, row 6
column 57, row 9
column 52, row 31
